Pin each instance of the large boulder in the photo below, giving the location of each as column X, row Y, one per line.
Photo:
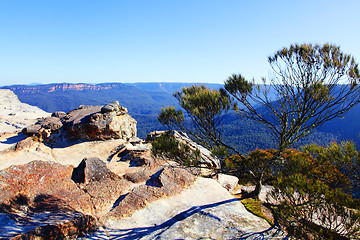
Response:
column 44, row 217
column 100, row 183
column 227, row 181
column 39, row 178
column 87, row 123
column 100, row 123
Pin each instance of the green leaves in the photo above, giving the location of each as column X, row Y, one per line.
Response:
column 238, row 84
column 205, row 108
column 312, row 190
column 202, row 102
column 309, row 209
column 169, row 115
column 166, row 146
column 310, row 85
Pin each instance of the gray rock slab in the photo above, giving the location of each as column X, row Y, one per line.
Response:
column 204, row 210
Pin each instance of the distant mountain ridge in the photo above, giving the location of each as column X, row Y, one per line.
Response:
column 60, row 87
column 151, row 86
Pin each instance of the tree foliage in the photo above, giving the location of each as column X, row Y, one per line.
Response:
column 313, row 190
column 310, row 85
column 345, row 157
column 253, row 169
column 166, row 146
column 310, row 209
column 206, row 109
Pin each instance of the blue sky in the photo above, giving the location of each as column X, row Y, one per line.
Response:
column 97, row 41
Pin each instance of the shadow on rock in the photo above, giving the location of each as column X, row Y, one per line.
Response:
column 44, row 217
column 163, row 230
column 14, row 139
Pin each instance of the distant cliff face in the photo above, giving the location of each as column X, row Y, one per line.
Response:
column 167, row 87
column 62, row 87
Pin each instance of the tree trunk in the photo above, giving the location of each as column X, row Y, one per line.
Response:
column 256, row 192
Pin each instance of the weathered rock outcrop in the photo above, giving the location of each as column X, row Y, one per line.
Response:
column 42, row 202
column 15, row 115
column 91, row 188
column 227, row 181
column 44, row 217
column 100, row 122
column 42, row 178
column 205, row 210
column 103, row 186
column 167, row 182
column 87, row 123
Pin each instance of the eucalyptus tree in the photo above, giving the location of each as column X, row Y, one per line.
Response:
column 310, row 85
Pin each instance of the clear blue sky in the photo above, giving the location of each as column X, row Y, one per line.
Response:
column 180, row 41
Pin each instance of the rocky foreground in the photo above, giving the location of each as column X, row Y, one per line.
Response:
column 85, row 174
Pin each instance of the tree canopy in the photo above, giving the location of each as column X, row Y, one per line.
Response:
column 206, row 109
column 310, row 85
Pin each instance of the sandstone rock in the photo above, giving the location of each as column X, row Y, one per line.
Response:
column 92, row 170
column 166, row 182
column 205, row 210
column 58, row 114
column 70, row 229
column 227, row 181
column 153, row 135
column 52, row 123
column 173, row 180
column 26, row 143
column 135, row 163
column 100, row 183
column 42, row 178
column 32, row 130
column 43, row 128
column 138, row 198
column 15, row 115
column 138, row 158
column 113, row 107
column 88, row 123
column 91, row 124
column 45, row 217
column 138, row 177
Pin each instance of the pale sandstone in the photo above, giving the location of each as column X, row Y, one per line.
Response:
column 15, row 115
